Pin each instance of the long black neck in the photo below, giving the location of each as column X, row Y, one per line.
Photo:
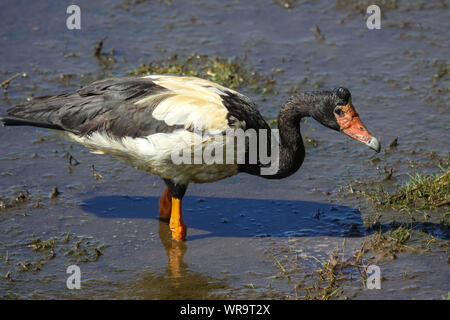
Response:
column 292, row 150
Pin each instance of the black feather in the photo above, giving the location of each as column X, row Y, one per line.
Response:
column 11, row 121
column 107, row 105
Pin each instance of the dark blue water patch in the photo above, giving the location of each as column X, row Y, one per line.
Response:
column 236, row 217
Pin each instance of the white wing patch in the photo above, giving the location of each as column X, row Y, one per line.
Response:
column 195, row 103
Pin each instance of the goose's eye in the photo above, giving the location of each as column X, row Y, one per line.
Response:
column 339, row 112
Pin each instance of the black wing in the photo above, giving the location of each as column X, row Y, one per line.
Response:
column 106, row 105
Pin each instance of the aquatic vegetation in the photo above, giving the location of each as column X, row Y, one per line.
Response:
column 385, row 5
column 24, row 199
column 43, row 245
column 54, row 193
column 131, row 4
column 105, row 60
column 28, row 266
column 8, row 203
column 332, row 273
column 318, row 34
column 78, row 249
column 5, row 84
column 337, row 275
column 443, row 69
column 362, row 5
column 83, row 251
column 272, row 123
column 310, row 142
column 231, row 73
column 401, row 235
column 387, row 245
column 327, row 278
column 96, row 174
column 70, row 247
column 394, row 143
column 421, row 192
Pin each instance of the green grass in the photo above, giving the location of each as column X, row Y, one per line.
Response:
column 401, row 235
column 421, row 192
column 232, row 73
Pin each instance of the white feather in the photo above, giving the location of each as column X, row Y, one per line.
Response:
column 153, row 154
column 195, row 103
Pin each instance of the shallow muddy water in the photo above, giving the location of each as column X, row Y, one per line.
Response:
column 244, row 232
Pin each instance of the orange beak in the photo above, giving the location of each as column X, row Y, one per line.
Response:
column 352, row 126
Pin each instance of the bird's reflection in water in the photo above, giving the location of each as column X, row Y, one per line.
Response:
column 175, row 251
column 177, row 281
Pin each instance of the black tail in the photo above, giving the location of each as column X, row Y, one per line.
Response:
column 12, row 121
column 40, row 112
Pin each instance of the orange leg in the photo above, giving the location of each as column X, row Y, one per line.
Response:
column 176, row 224
column 165, row 206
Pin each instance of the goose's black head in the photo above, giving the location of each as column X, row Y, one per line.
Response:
column 335, row 111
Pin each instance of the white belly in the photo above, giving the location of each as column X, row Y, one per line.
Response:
column 154, row 154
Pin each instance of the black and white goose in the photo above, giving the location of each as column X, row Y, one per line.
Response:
column 144, row 121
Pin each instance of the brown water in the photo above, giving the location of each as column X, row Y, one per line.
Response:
column 237, row 225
